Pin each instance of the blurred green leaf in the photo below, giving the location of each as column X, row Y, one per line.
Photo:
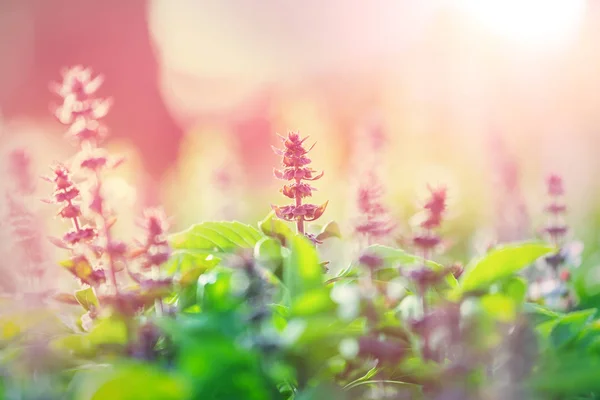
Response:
column 499, row 306
column 215, row 292
column 183, row 260
column 570, row 326
column 570, row 374
column 131, row 382
column 501, row 263
column 332, row 229
column 216, row 237
column 540, row 314
column 268, row 252
column 77, row 344
column 111, row 330
column 190, row 276
column 87, row 298
column 312, row 302
column 187, row 297
column 516, row 288
column 302, row 271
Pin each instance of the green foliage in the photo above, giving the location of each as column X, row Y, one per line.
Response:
column 275, row 228
column 501, row 263
column 302, row 272
column 129, row 381
column 87, row 298
column 252, row 314
column 203, row 245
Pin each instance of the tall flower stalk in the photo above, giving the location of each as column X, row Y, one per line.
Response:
column 97, row 256
column 556, row 231
column 374, row 222
column 295, row 170
column 512, row 218
column 426, row 239
column 81, row 112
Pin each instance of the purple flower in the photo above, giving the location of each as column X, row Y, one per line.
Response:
column 295, row 163
column 434, row 208
column 374, row 220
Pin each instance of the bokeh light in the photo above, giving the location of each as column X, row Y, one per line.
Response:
column 531, row 22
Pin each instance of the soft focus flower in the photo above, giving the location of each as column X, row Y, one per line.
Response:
column 154, row 250
column 374, row 220
column 434, row 209
column 80, row 109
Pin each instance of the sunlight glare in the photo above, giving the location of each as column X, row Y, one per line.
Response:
column 533, row 22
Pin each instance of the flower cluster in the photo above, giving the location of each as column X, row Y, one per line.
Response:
column 80, row 109
column 81, row 112
column 296, row 170
column 95, row 254
column 434, row 209
column 68, row 197
column 374, row 221
column 154, row 250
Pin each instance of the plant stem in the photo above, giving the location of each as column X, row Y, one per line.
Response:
column 300, row 220
column 107, row 236
column 422, row 295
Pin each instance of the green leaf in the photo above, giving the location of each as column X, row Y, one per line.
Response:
column 187, row 259
column 111, row 330
column 216, row 237
column 367, row 376
column 268, row 252
column 275, row 228
column 187, row 297
column 87, row 298
column 499, row 306
column 190, row 276
column 332, row 229
column 77, row 344
column 313, row 302
column 570, row 326
column 302, row 271
column 516, row 288
column 203, row 245
column 540, row 314
column 215, row 291
column 130, row 382
column 500, row 263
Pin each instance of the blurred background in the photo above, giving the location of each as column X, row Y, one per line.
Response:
column 487, row 97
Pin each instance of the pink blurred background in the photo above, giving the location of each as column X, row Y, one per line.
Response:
column 465, row 91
